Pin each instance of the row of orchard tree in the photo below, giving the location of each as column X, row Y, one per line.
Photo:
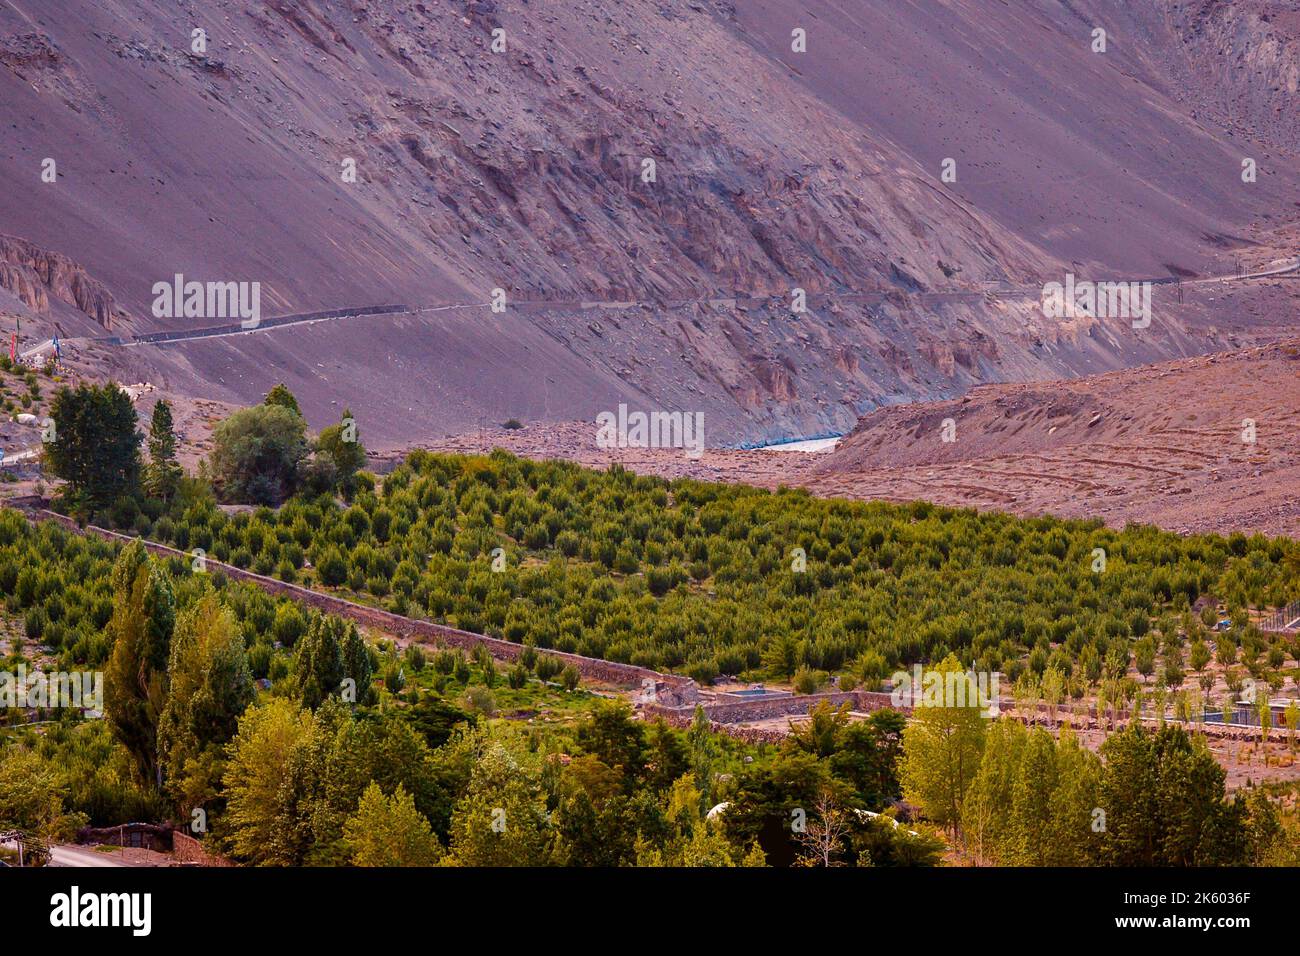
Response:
column 712, row 579
column 311, row 771
column 328, row 766
column 703, row 578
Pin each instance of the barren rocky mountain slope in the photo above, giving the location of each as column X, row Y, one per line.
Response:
column 1208, row 443
column 1170, row 444
column 523, row 170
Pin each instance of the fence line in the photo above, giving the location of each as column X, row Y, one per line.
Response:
column 1283, row 619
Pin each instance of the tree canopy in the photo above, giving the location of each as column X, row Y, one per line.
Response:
column 257, row 453
column 96, row 444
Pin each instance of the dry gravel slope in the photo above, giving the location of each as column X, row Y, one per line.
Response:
column 1208, row 443
column 1161, row 444
column 520, row 170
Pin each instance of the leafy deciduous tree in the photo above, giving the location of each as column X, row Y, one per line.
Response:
column 390, row 831
column 211, row 686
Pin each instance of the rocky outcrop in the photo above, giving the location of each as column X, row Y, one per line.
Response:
column 26, row 53
column 1246, row 56
column 34, row 275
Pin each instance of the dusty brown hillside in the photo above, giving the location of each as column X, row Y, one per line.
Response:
column 523, row 170
column 1207, row 444
column 1164, row 444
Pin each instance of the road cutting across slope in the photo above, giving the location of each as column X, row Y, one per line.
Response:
column 310, row 318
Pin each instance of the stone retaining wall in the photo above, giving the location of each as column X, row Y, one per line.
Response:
column 742, row 732
column 186, row 849
column 404, row 628
column 736, row 712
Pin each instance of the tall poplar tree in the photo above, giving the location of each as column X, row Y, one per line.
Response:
column 1031, row 796
column 1075, row 832
column 942, row 747
column 135, row 682
column 341, row 445
column 210, row 686
column 986, row 811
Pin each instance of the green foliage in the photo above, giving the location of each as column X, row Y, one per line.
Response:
column 332, row 569
column 502, row 818
column 32, row 795
column 517, row 676
column 96, row 446
column 885, row 586
column 862, row 754
column 347, row 753
column 390, row 831
column 548, row 667
column 101, row 783
column 340, row 445
column 290, row 624
column 436, row 718
column 210, row 687
column 283, row 398
column 678, row 575
column 942, row 747
column 766, row 800
column 480, row 701
column 882, row 841
column 691, row 839
column 1163, row 794
column 272, row 739
column 330, row 654
column 162, row 475
column 616, row 738
column 135, row 682
column 257, row 453
column 808, row 681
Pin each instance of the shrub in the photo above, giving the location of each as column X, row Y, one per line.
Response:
column 290, row 624
column 569, row 677
column 461, row 672
column 808, row 681
column 332, row 570
column 480, row 701
column 34, row 623
column 548, row 667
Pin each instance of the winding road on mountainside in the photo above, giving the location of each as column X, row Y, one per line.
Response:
column 1289, row 269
